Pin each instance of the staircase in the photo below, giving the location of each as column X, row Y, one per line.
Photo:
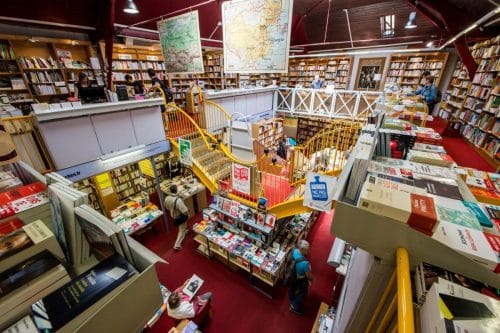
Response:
column 281, row 182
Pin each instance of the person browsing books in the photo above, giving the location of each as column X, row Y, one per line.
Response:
column 180, row 214
column 138, row 86
column 156, row 82
column 316, row 83
column 180, row 307
column 297, row 291
column 428, row 93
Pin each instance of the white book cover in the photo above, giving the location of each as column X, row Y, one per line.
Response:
column 382, row 201
column 193, row 286
column 24, row 325
column 471, row 243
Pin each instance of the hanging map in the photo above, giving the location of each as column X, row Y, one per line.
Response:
column 181, row 44
column 256, row 35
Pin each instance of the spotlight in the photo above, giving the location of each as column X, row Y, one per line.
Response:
column 411, row 21
column 131, row 8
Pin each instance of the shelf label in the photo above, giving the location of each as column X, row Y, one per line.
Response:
column 319, row 191
column 152, row 58
column 146, row 168
column 240, row 176
column 185, row 152
column 124, row 56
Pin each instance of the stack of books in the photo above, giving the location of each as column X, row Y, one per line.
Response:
column 8, row 180
column 450, row 302
column 135, row 214
column 439, row 159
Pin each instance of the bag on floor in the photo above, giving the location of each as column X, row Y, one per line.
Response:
column 290, row 273
column 181, row 218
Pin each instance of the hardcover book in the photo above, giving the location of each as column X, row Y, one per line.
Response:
column 13, row 243
column 55, row 310
column 423, row 215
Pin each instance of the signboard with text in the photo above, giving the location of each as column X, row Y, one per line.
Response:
column 240, row 176
column 319, row 191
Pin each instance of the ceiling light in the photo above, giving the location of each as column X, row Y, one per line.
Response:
column 411, row 21
column 430, row 44
column 131, row 8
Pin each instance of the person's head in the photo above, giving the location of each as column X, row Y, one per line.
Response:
column 83, row 79
column 129, row 78
column 151, row 73
column 316, row 77
column 174, row 300
column 429, row 80
column 303, row 247
column 173, row 189
column 426, row 74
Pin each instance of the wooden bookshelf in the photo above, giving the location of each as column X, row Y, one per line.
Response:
column 268, row 132
column 39, row 71
column 406, row 69
column 455, row 95
column 334, row 71
column 480, row 109
column 308, row 127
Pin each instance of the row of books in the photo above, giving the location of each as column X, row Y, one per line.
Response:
column 450, row 302
column 6, row 52
column 44, row 77
column 135, row 214
column 12, row 83
column 37, row 63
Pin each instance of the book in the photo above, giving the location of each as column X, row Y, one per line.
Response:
column 386, row 202
column 441, row 188
column 423, row 214
column 476, row 210
column 192, row 287
column 13, row 243
column 58, row 308
column 456, row 212
column 470, row 242
column 23, row 325
column 10, row 225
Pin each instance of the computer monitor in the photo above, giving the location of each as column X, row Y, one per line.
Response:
column 92, row 94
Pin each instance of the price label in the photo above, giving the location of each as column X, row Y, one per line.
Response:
column 152, row 58
column 123, row 56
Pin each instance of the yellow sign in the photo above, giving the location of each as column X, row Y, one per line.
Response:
column 147, row 168
column 103, row 181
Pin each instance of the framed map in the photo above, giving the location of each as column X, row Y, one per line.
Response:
column 181, row 44
column 256, row 35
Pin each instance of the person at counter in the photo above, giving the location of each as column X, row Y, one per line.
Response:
column 156, row 82
column 428, row 93
column 316, row 83
column 138, row 86
column 88, row 91
column 83, row 82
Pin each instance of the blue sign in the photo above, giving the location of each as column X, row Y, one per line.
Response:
column 319, row 190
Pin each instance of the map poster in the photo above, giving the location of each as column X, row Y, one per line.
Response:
column 240, row 176
column 319, row 191
column 185, row 152
column 181, row 44
column 256, row 35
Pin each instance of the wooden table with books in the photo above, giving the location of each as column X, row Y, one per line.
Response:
column 189, row 189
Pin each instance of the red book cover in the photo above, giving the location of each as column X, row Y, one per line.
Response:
column 9, row 226
column 494, row 241
column 21, row 192
column 446, row 157
column 423, row 213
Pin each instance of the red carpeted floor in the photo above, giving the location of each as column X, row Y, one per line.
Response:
column 237, row 305
column 458, row 148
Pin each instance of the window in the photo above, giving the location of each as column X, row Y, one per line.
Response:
column 387, row 26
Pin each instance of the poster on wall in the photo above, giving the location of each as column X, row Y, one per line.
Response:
column 181, row 44
column 240, row 176
column 319, row 191
column 256, row 35
column 369, row 73
column 185, row 152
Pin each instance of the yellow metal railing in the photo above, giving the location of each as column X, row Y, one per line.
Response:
column 396, row 297
column 28, row 142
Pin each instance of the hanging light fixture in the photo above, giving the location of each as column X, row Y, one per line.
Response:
column 430, row 44
column 131, row 7
column 411, row 24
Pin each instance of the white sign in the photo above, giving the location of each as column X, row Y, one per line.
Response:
column 185, row 152
column 240, row 176
column 152, row 58
column 319, row 191
column 125, row 56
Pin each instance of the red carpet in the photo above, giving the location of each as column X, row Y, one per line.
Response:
column 237, row 306
column 458, row 148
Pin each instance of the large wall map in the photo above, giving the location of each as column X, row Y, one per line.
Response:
column 256, row 35
column 181, row 44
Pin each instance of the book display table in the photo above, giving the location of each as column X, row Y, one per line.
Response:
column 190, row 190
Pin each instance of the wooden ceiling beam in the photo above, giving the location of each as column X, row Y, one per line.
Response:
column 450, row 16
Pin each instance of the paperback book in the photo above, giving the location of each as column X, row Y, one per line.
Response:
column 58, row 308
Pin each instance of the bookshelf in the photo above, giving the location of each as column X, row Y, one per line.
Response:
column 308, row 127
column 455, row 94
column 39, row 69
column 334, row 71
column 12, row 82
column 268, row 132
column 406, row 69
column 480, row 109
